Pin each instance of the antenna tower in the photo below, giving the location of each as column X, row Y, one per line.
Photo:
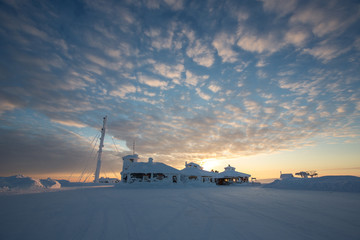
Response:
column 98, row 165
column 134, row 147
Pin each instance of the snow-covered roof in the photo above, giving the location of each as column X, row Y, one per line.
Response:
column 192, row 165
column 151, row 167
column 286, row 175
column 194, row 171
column 131, row 157
column 231, row 173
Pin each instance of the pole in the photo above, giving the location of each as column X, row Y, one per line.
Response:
column 98, row 165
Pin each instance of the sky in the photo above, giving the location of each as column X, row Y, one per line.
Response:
column 265, row 86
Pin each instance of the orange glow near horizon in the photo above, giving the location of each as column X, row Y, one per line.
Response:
column 210, row 164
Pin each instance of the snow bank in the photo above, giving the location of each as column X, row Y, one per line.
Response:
column 326, row 183
column 50, row 183
column 23, row 183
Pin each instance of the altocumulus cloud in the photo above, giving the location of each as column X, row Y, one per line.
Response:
column 188, row 80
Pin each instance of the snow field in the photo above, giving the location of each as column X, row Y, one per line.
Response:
column 183, row 212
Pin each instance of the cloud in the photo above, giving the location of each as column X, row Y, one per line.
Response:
column 41, row 152
column 158, row 40
column 326, row 52
column 259, row 44
column 169, row 71
column 69, row 123
column 6, row 105
column 175, row 4
column 223, row 44
column 202, row 94
column 193, row 79
column 200, row 53
column 261, row 63
column 123, row 90
column 152, row 82
column 282, row 7
column 252, row 106
column 296, row 37
column 214, row 88
column 341, row 109
column 333, row 17
column 165, row 38
column 128, row 57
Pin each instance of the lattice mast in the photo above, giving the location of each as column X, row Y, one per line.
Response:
column 98, row 165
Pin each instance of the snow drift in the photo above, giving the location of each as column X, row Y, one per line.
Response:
column 326, row 183
column 23, row 183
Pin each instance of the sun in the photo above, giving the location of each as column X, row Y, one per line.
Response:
column 210, row 164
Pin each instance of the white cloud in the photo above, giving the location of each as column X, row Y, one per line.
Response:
column 326, row 17
column 150, row 94
column 234, row 109
column 259, row 44
column 7, row 106
column 200, row 53
column 165, row 38
column 341, row 109
column 223, row 44
column 252, row 106
column 296, row 37
column 193, row 79
column 175, row 4
column 358, row 106
column 115, row 53
column 123, row 91
column 241, row 66
column 152, row 82
column 69, row 123
column 214, row 88
column 261, row 74
column 169, row 71
column 202, row 95
column 326, row 52
column 282, row 7
column 35, row 32
column 286, row 73
column 261, row 63
column 96, row 60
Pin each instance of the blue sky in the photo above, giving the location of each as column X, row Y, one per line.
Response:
column 255, row 84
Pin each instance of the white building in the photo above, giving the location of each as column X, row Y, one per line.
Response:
column 231, row 176
column 134, row 171
column 286, row 175
column 194, row 173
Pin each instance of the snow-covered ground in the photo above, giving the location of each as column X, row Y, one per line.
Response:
column 326, row 183
column 180, row 212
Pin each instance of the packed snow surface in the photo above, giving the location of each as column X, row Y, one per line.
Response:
column 177, row 211
column 327, row 183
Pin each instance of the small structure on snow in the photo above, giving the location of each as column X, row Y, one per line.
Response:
column 230, row 176
column 108, row 180
column 286, row 176
column 150, row 171
column 194, row 173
